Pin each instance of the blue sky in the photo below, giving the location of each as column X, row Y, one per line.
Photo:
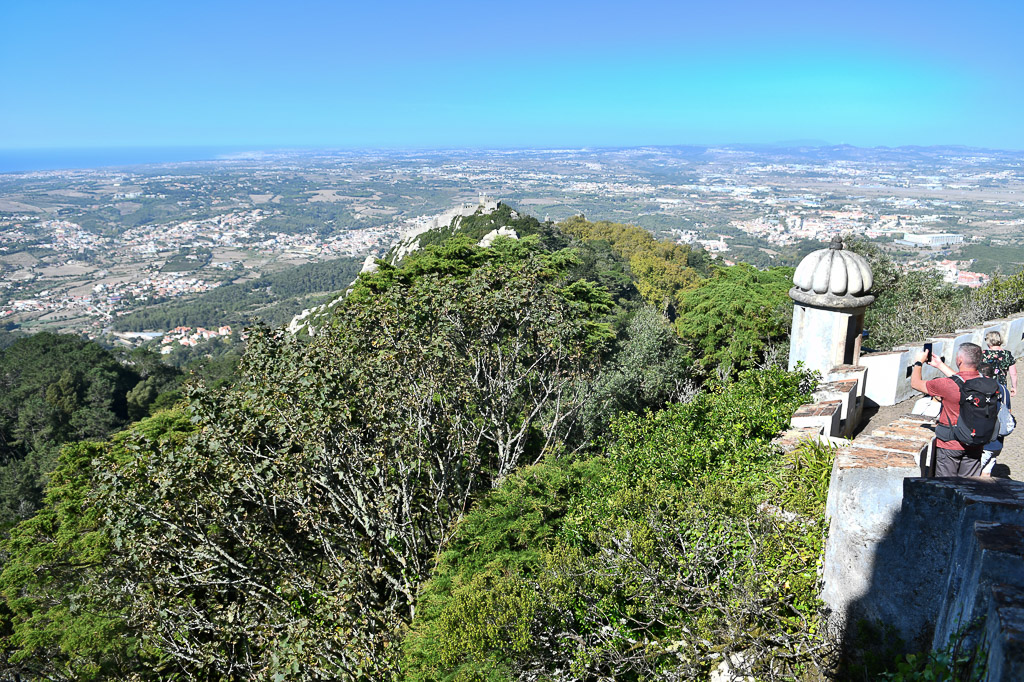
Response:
column 509, row 74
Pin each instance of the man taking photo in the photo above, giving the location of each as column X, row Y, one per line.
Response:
column 969, row 413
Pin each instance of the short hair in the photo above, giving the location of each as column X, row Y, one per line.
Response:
column 994, row 338
column 970, row 355
column 987, row 370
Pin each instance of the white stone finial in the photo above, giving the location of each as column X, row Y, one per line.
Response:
column 833, row 278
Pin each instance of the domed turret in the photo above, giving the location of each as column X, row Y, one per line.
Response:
column 830, row 295
column 833, row 278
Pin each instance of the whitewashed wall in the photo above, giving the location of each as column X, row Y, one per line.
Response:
column 888, row 380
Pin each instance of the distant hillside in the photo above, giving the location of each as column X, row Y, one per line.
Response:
column 274, row 298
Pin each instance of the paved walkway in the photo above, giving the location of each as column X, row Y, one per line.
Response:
column 1010, row 463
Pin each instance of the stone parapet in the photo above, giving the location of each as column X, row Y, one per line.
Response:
column 935, row 561
column 890, row 370
column 995, row 556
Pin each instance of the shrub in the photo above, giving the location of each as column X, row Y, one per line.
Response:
column 685, row 545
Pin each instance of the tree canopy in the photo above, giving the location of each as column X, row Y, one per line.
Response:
column 731, row 318
column 482, row 463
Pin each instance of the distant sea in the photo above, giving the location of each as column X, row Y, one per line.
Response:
column 18, row 160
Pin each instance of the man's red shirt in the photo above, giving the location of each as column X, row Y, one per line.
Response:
column 949, row 391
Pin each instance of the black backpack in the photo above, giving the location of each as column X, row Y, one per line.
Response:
column 979, row 412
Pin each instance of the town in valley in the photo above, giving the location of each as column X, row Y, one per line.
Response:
column 80, row 249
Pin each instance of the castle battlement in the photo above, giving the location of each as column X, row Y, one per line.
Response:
column 934, row 561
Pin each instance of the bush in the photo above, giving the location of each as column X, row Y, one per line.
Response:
column 686, row 544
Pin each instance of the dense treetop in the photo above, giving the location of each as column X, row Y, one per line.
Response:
column 500, row 463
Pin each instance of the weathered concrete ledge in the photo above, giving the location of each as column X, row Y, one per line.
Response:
column 864, row 500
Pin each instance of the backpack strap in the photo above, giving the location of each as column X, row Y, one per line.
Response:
column 945, row 431
column 959, row 381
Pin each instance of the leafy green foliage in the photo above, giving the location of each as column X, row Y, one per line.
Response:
column 66, row 612
column 289, row 536
column 732, row 318
column 648, row 370
column 481, row 575
column 58, row 388
column 662, row 269
column 674, row 552
column 485, row 463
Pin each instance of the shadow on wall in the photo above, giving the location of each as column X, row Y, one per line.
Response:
column 947, row 567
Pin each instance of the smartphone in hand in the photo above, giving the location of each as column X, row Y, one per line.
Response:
column 928, row 349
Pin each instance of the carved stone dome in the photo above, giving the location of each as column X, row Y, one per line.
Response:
column 833, row 278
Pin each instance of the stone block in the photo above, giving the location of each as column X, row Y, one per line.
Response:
column 824, row 414
column 995, row 556
column 1004, row 636
column 852, row 373
column 908, row 428
column 845, row 392
column 791, row 439
column 888, row 383
column 1014, row 341
column 914, row 448
column 969, row 335
column 942, row 346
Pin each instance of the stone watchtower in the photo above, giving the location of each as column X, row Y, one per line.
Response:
column 830, row 295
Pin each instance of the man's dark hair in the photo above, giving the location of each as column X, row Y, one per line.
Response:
column 987, row 370
column 971, row 354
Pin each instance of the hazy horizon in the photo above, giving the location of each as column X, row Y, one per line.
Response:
column 20, row 160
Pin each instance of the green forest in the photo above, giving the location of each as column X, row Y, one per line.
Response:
column 273, row 298
column 548, row 459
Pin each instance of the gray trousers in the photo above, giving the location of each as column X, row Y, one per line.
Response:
column 958, row 462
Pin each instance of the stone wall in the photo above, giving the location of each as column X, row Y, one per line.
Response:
column 890, row 370
column 932, row 561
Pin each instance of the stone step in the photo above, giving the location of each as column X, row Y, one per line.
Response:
column 914, row 448
column 859, row 457
column 907, row 429
column 791, row 439
column 825, row 414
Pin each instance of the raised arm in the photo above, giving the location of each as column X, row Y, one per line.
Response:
column 938, row 364
column 917, row 382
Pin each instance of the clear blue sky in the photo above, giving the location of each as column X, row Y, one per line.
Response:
column 509, row 74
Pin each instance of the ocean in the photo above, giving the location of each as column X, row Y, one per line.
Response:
column 20, row 160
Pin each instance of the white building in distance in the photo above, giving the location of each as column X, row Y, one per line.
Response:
column 934, row 240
